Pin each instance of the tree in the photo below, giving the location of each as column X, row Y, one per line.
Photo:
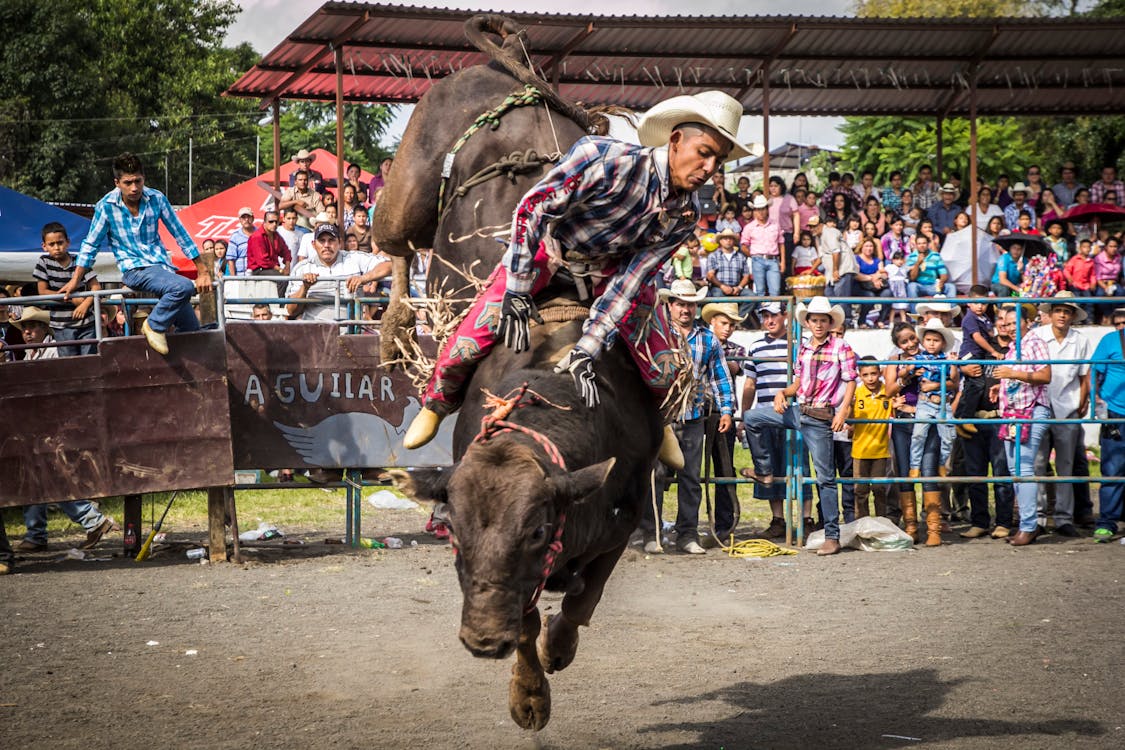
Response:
column 957, row 8
column 313, row 125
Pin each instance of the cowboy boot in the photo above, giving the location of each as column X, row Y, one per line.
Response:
column 931, row 506
column 909, row 513
column 946, row 491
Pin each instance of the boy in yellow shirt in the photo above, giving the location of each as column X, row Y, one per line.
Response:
column 871, row 449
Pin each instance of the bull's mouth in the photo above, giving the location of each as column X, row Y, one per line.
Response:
column 489, row 647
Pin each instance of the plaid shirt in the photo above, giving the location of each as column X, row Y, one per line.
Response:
column 135, row 240
column 729, row 268
column 1016, row 394
column 606, row 200
column 1012, row 215
column 712, row 378
column 1099, row 189
column 823, row 370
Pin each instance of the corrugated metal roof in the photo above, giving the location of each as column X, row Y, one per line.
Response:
column 814, row 65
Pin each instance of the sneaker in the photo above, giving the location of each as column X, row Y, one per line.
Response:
column 691, row 547
column 95, row 536
column 1102, row 535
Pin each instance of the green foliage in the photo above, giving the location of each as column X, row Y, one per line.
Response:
column 313, row 125
column 884, row 144
column 817, row 169
column 960, row 8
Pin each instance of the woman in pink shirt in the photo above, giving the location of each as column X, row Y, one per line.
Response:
column 783, row 211
column 808, row 209
column 1107, row 275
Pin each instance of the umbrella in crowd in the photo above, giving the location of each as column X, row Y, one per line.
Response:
column 1033, row 244
column 1103, row 213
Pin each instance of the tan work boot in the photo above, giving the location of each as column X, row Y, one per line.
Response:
column 931, row 505
column 670, row 453
column 422, row 429
column 909, row 513
column 156, row 340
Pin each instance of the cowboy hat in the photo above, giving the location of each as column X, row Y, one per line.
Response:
column 1019, row 187
column 1065, row 299
column 305, row 154
column 822, row 306
column 728, row 232
column 683, row 290
column 813, row 221
column 948, row 188
column 942, row 306
column 714, row 108
column 32, row 314
column 760, row 202
column 729, row 309
column 933, row 325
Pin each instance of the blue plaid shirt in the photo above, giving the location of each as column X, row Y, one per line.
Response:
column 931, row 373
column 135, row 240
column 729, row 268
column 606, row 200
column 712, row 378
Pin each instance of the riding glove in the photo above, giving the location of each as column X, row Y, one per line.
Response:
column 516, row 313
column 581, row 367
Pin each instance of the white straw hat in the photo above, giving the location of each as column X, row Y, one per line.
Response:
column 683, row 290
column 721, row 111
column 820, row 305
column 1065, row 298
column 933, row 325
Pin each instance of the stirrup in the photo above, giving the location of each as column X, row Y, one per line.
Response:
column 422, row 430
column 670, row 453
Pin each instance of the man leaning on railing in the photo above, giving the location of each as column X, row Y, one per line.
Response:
column 330, row 261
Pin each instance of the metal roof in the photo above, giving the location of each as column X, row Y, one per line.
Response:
column 814, row 65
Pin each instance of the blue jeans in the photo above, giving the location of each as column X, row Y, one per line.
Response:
column 1111, row 497
column 918, row 289
column 922, row 430
column 845, row 287
column 779, row 463
column 174, row 291
column 82, row 512
column 1027, row 492
column 86, row 333
column 766, row 270
column 818, row 438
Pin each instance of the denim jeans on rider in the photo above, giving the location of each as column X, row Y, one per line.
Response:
column 1027, row 492
column 761, row 425
column 175, row 292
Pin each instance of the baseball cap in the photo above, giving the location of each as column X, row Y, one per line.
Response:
column 245, row 210
column 322, row 229
column 773, row 308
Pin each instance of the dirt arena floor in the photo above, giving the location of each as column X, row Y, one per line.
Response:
column 974, row 645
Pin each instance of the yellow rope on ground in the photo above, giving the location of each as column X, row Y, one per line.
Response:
column 756, row 548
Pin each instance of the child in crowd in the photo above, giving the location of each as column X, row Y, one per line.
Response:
column 727, row 221
column 1056, row 241
column 897, row 278
column 937, row 340
column 805, row 255
column 852, row 234
column 1008, row 273
column 1079, row 274
column 871, row 443
column 683, row 260
column 910, row 221
column 70, row 321
column 978, row 342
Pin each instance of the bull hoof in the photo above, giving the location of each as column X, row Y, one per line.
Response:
column 530, row 704
column 557, row 643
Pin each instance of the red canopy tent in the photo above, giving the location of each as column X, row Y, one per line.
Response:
column 217, row 216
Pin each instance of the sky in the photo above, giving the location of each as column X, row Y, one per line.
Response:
column 265, row 23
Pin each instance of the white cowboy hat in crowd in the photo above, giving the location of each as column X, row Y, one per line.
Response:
column 729, row 309
column 1066, row 299
column 760, row 202
column 822, row 306
column 683, row 290
column 933, row 325
column 728, row 232
column 939, row 307
column 305, row 154
column 721, row 111
column 1019, row 187
column 32, row 314
column 948, row 188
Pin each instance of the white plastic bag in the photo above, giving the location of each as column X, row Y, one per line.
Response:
column 387, row 500
column 868, row 534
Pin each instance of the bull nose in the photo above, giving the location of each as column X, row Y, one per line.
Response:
column 487, row 647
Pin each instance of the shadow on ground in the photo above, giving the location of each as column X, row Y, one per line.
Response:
column 869, row 710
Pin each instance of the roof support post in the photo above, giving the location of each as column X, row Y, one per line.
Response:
column 973, row 172
column 938, row 174
column 339, row 51
column 276, row 105
column 766, row 129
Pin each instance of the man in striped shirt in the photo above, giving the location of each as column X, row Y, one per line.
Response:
column 613, row 214
column 824, row 386
column 129, row 215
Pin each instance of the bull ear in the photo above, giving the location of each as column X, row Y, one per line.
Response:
column 423, row 485
column 575, row 486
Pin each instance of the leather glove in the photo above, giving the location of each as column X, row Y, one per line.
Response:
column 581, row 367
column 516, row 312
